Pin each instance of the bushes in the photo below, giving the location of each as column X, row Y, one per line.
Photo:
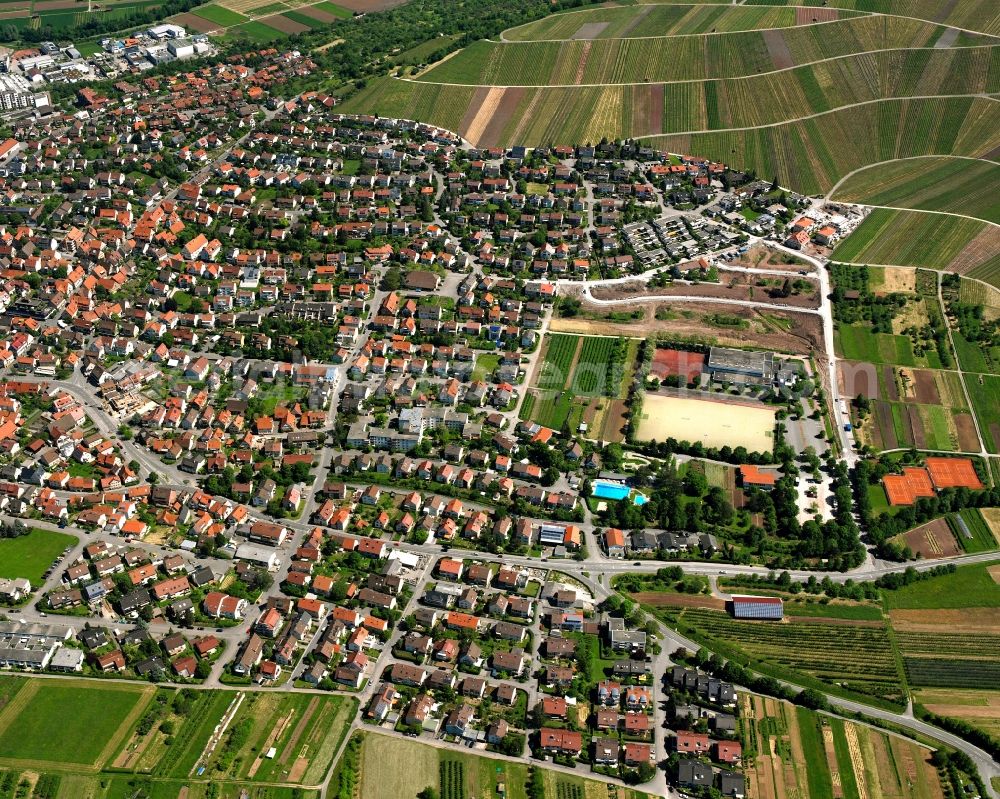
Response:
column 452, row 776
column 346, row 776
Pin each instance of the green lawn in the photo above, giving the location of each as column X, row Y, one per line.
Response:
column 967, row 587
column 486, row 364
column 984, row 390
column 219, row 15
column 879, row 501
column 30, row 555
column 333, row 8
column 258, row 31
column 982, row 537
column 858, row 343
column 67, row 722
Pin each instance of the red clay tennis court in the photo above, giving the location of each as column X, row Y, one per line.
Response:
column 677, row 362
column 906, row 488
column 953, row 473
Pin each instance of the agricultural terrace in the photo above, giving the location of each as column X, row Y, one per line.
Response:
column 959, row 185
column 32, row 554
column 581, row 379
column 37, row 732
column 811, row 155
column 919, row 238
column 457, row 774
column 533, row 103
column 617, row 22
column 855, row 659
column 714, row 422
column 975, row 15
column 791, row 751
column 690, row 58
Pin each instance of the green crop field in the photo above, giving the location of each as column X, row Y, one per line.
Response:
column 813, row 154
column 332, row 8
column 35, row 728
column 655, row 20
column 131, row 787
column 32, row 554
column 559, row 355
column 859, row 343
column 191, row 736
column 974, row 357
column 950, row 660
column 930, row 184
column 724, row 55
column 855, row 659
column 598, row 372
column 917, row 238
column 969, row 587
column 976, row 15
column 219, row 15
column 303, row 19
column 566, row 383
column 297, row 725
column 983, row 389
column 455, row 774
column 982, row 538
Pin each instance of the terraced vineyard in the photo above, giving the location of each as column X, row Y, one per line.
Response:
column 949, row 184
column 913, row 238
column 813, row 154
column 976, row 15
column 655, row 20
column 858, row 658
column 694, row 57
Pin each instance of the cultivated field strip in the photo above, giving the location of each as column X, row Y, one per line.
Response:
column 694, row 57
column 813, row 154
column 956, row 185
column 973, row 15
column 919, row 238
column 859, row 658
column 657, row 20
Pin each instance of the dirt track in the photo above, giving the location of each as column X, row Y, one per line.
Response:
column 804, row 336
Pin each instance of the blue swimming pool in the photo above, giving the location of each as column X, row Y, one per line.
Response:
column 604, row 490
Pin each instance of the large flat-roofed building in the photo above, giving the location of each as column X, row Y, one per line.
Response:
column 768, row 608
column 30, row 646
column 740, row 366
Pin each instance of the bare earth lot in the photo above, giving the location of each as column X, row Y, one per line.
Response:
column 715, row 423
